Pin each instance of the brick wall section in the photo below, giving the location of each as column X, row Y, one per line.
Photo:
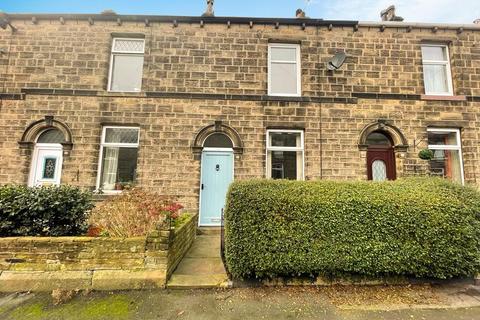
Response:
column 181, row 240
column 134, row 261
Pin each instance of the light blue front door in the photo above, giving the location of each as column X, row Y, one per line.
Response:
column 217, row 174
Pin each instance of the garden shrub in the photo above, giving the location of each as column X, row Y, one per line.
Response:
column 134, row 212
column 43, row 211
column 421, row 227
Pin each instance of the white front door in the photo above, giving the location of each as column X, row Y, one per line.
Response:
column 46, row 165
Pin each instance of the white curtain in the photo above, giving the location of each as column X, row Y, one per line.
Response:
column 110, row 165
column 435, row 78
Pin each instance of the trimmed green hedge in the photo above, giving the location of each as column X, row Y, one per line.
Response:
column 43, row 211
column 414, row 227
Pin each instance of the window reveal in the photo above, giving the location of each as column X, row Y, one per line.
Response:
column 126, row 65
column 285, row 152
column 119, row 155
column 447, row 159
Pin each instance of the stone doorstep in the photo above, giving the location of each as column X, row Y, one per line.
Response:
column 209, row 231
column 11, row 281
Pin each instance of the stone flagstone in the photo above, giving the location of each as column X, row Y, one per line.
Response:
column 202, row 267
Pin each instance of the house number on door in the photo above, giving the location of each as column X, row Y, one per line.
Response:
column 217, row 167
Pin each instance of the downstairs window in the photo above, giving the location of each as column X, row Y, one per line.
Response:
column 285, row 154
column 118, row 158
column 447, row 159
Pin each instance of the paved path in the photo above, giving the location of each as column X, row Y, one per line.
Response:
column 202, row 266
column 230, row 304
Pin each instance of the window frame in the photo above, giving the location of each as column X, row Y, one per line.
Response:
column 114, row 53
column 298, row 62
column 457, row 147
column 113, row 144
column 445, row 63
column 296, row 149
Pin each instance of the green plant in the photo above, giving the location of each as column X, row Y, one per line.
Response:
column 132, row 213
column 43, row 211
column 181, row 220
column 422, row 227
column 426, row 154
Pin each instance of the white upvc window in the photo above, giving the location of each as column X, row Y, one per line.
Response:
column 126, row 65
column 284, row 70
column 118, row 158
column 447, row 159
column 437, row 74
column 285, row 154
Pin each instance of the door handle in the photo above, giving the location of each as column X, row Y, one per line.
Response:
column 202, row 187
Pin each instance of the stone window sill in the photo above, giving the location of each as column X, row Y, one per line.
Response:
column 443, row 98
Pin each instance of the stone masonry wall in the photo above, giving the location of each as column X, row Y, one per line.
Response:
column 182, row 239
column 71, row 253
column 220, row 59
column 47, row 263
column 194, row 76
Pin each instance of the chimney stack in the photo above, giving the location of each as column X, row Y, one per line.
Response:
column 300, row 14
column 209, row 12
column 389, row 14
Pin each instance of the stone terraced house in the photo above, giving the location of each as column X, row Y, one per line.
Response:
column 184, row 105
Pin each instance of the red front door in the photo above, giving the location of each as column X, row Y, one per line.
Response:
column 381, row 164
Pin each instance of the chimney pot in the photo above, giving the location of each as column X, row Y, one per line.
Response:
column 389, row 14
column 300, row 14
column 209, row 12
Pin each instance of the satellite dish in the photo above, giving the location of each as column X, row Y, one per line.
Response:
column 337, row 61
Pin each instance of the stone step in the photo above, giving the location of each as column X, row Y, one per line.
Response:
column 200, row 266
column 205, row 247
column 209, row 231
column 185, row 282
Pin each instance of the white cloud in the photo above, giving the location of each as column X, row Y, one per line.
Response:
column 446, row 11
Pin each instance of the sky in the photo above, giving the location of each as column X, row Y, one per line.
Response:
column 440, row 11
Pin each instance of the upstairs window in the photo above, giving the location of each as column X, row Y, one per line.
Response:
column 284, row 71
column 436, row 70
column 118, row 158
column 126, row 65
column 447, row 153
column 285, row 154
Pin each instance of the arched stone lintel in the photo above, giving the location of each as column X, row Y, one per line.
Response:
column 34, row 129
column 218, row 127
column 400, row 143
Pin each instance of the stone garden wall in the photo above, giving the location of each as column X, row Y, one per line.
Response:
column 47, row 263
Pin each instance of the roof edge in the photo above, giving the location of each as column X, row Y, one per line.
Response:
column 397, row 24
column 181, row 19
column 238, row 20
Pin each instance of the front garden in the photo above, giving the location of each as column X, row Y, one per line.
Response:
column 54, row 237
